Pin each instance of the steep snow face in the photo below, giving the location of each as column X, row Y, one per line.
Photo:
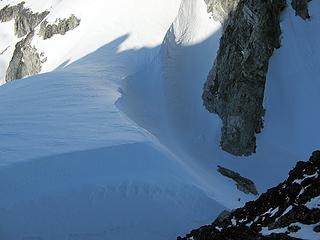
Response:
column 292, row 92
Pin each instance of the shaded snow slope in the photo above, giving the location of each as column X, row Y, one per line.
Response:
column 113, row 180
column 178, row 75
column 75, row 167
column 129, row 191
column 173, row 86
column 293, row 88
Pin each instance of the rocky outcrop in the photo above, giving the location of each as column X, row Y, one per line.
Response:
column 221, row 9
column 243, row 184
column 301, row 8
column 60, row 27
column 26, row 61
column 25, row 21
column 235, row 85
column 285, row 209
column 8, row 13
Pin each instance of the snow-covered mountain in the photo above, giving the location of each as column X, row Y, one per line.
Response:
column 110, row 140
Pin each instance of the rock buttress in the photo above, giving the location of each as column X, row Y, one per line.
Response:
column 235, row 86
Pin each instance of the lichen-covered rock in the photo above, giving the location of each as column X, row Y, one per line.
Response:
column 60, row 27
column 282, row 210
column 26, row 60
column 301, row 8
column 235, row 85
column 243, row 184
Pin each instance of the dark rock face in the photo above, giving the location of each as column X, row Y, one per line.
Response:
column 25, row 61
column 61, row 27
column 301, row 7
column 235, row 85
column 243, row 184
column 284, row 208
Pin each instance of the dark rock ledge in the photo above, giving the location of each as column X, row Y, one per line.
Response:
column 286, row 208
column 243, row 184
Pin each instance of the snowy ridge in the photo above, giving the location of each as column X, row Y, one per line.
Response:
column 81, row 162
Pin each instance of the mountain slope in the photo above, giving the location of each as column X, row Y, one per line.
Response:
column 113, row 141
column 83, row 168
column 174, row 98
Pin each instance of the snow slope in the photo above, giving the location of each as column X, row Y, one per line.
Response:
column 292, row 95
column 113, row 49
column 115, row 142
column 73, row 166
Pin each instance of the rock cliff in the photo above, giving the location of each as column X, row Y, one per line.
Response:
column 235, row 86
column 60, row 27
